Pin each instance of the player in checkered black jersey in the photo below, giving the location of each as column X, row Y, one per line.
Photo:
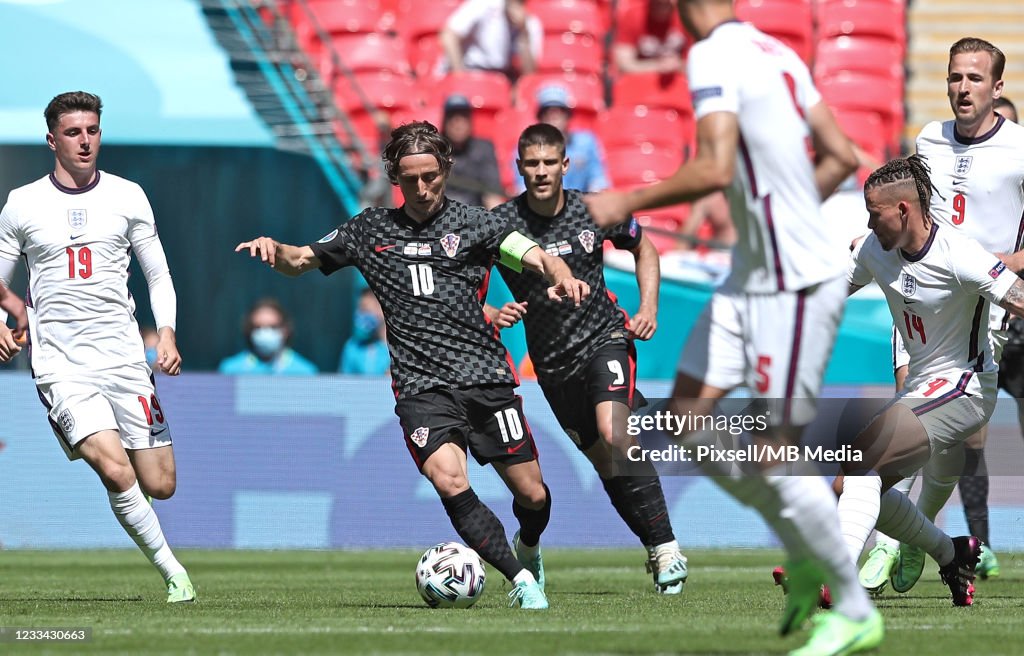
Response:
column 428, row 263
column 584, row 358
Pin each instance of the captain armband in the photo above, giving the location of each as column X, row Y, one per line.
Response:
column 513, row 249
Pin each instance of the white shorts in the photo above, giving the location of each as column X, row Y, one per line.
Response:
column 952, row 410
column 122, row 399
column 778, row 345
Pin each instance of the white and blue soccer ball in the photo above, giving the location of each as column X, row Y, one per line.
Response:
column 450, row 575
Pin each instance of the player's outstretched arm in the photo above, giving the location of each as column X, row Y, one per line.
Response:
column 711, row 170
column 836, row 158
column 283, row 258
column 557, row 272
column 644, row 322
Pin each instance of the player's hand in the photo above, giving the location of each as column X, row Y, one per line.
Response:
column 510, row 314
column 643, row 324
column 168, row 360
column 572, row 288
column 8, row 346
column 607, row 208
column 263, row 247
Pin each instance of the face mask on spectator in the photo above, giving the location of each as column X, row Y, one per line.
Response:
column 267, row 341
column 364, row 326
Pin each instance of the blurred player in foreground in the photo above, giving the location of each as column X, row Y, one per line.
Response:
column 977, row 166
column 77, row 228
column 938, row 283
column 584, row 357
column 11, row 340
column 772, row 324
column 428, row 262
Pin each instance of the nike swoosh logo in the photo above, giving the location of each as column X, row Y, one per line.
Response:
column 616, row 388
column 381, row 249
column 908, row 301
column 515, row 449
column 74, row 237
column 159, row 432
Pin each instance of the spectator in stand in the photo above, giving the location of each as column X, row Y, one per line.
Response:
column 650, row 39
column 366, row 351
column 493, row 35
column 474, row 179
column 588, row 170
column 268, row 330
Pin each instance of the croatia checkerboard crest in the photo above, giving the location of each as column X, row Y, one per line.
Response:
column 450, row 244
column 587, row 239
column 419, row 436
column 77, row 219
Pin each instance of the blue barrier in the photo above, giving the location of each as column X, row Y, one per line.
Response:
column 320, row 463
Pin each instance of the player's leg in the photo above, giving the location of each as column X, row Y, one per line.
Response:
column 434, row 425
column 146, row 438
column 501, row 436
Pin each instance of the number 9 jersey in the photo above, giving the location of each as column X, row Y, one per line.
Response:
column 77, row 245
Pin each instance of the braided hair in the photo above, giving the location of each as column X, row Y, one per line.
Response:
column 907, row 170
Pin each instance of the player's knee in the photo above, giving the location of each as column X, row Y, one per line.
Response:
column 163, row 488
column 534, row 495
column 116, row 476
column 448, row 485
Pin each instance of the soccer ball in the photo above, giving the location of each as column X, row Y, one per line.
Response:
column 450, row 575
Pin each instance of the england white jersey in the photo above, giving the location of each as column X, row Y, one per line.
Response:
column 783, row 245
column 981, row 181
column 77, row 245
column 939, row 299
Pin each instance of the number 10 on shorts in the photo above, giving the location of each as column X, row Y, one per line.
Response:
column 509, row 424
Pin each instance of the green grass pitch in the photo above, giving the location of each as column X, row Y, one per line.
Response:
column 344, row 602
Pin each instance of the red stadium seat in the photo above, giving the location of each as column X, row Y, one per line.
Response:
column 862, row 54
column 653, row 90
column 586, row 94
column 362, row 53
column 488, row 92
column 568, row 52
column 865, row 129
column 512, row 121
column 341, row 16
column 661, row 226
column 789, row 21
column 861, row 92
column 575, row 16
column 886, row 20
column 624, row 126
column 380, row 90
column 418, row 18
column 638, row 165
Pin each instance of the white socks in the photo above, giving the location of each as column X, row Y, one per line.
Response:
column 858, row 511
column 802, row 510
column 141, row 523
column 901, row 519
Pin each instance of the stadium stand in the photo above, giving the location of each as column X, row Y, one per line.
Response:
column 790, row 21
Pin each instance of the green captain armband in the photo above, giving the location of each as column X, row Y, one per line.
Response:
column 513, row 249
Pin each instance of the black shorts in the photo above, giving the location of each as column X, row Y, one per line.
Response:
column 487, row 420
column 609, row 376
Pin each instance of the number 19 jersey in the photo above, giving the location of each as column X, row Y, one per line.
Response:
column 77, row 245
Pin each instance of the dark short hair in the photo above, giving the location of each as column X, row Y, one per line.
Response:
column 974, row 44
column 541, row 134
column 416, row 138
column 71, row 101
column 273, row 304
column 1002, row 102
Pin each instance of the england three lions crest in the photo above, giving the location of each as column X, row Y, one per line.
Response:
column 587, row 240
column 909, row 285
column 963, row 164
column 450, row 244
column 77, row 219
